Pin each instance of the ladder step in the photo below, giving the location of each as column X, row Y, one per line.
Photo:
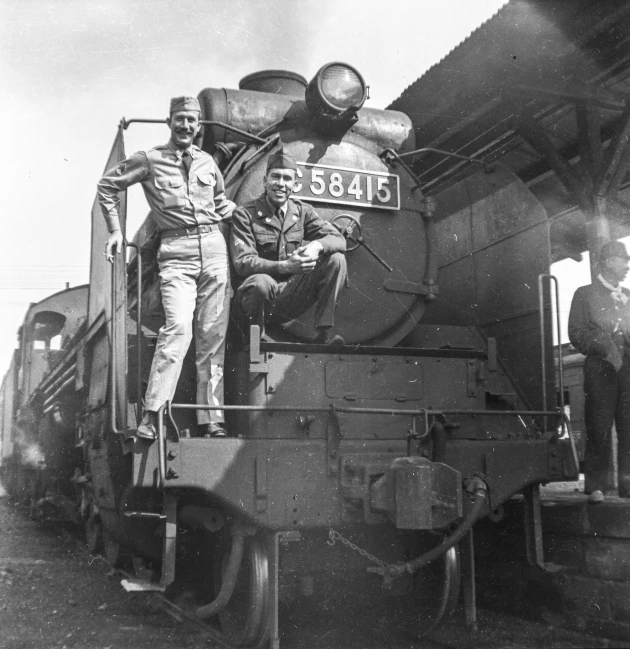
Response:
column 141, row 585
column 145, row 515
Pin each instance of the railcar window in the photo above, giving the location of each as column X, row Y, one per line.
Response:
column 55, row 342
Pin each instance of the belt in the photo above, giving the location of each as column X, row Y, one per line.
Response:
column 189, row 232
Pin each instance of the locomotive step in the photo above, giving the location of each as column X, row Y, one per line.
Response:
column 145, row 515
column 142, row 585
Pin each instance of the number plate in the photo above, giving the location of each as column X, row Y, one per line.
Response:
column 347, row 186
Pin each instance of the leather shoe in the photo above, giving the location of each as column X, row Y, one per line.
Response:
column 148, row 426
column 596, row 497
column 211, row 430
column 324, row 337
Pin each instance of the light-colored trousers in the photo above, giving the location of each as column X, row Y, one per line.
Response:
column 195, row 285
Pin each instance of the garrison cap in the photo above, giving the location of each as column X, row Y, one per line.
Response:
column 613, row 249
column 281, row 159
column 184, row 103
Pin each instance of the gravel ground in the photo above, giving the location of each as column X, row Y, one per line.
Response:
column 53, row 594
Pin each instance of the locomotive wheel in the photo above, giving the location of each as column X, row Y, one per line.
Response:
column 244, row 620
column 435, row 592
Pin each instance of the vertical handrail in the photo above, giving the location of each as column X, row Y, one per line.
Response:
column 138, row 330
column 161, row 442
column 112, row 350
column 543, row 330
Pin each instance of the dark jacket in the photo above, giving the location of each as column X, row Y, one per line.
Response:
column 259, row 240
column 598, row 324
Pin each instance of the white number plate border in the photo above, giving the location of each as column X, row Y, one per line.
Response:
column 310, row 197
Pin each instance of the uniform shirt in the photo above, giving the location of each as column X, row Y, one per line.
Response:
column 598, row 324
column 260, row 240
column 176, row 201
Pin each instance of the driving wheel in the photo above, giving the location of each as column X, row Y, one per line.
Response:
column 244, row 619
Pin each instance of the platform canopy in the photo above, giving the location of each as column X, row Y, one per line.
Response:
column 543, row 88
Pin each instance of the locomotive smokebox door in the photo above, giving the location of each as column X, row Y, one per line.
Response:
column 418, row 494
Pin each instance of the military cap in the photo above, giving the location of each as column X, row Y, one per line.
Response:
column 281, row 159
column 613, row 249
column 184, row 103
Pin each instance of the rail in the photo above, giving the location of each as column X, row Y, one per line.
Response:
column 138, row 330
column 566, row 423
column 419, row 412
column 204, row 122
column 112, row 351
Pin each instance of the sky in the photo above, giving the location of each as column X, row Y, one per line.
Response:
column 70, row 69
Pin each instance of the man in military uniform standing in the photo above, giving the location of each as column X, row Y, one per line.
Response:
column 185, row 191
column 599, row 327
column 286, row 257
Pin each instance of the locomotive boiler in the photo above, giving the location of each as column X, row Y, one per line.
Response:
column 358, row 469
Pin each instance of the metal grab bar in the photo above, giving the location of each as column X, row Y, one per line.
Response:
column 204, row 122
column 112, row 350
column 425, row 412
column 161, row 449
column 543, row 354
column 138, row 330
column 373, row 411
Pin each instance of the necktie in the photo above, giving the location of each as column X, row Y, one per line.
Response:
column 187, row 163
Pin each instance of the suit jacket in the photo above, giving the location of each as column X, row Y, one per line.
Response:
column 598, row 324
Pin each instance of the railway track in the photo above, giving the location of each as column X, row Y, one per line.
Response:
column 53, row 594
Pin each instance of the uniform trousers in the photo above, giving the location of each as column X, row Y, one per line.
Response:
column 607, row 400
column 195, row 288
column 286, row 300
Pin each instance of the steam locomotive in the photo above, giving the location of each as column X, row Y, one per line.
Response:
column 348, row 469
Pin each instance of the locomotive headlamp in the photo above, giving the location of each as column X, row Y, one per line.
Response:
column 337, row 89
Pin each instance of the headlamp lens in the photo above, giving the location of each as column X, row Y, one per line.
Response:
column 342, row 87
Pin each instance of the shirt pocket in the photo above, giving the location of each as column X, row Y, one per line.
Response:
column 294, row 238
column 171, row 191
column 205, row 185
column 266, row 241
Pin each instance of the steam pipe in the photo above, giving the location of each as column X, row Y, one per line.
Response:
column 481, row 494
column 58, row 391
column 53, row 388
column 229, row 579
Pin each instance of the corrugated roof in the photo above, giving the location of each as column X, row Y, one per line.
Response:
column 523, row 58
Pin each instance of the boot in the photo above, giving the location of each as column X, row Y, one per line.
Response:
column 325, row 337
column 148, row 426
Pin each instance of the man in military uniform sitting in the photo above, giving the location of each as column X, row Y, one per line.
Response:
column 184, row 189
column 286, row 257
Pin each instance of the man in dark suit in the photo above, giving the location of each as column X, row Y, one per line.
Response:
column 599, row 327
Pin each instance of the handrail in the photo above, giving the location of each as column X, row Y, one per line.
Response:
column 391, row 158
column 204, row 122
column 374, row 411
column 426, row 412
column 112, row 351
column 543, row 351
column 138, row 330
column 161, row 449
